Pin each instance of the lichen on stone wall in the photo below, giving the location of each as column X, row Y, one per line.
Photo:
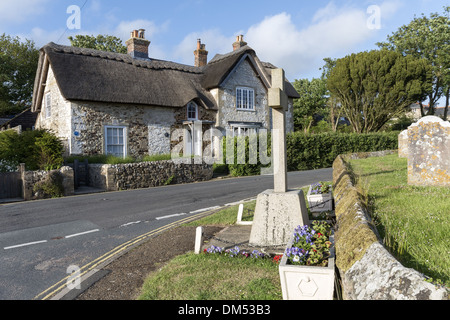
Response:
column 368, row 271
column 354, row 233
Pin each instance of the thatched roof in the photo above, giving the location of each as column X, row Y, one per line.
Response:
column 92, row 75
column 26, row 119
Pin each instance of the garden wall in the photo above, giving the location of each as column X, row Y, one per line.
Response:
column 147, row 174
column 368, row 271
column 31, row 178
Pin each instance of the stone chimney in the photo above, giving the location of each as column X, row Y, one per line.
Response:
column 137, row 45
column 201, row 55
column 239, row 42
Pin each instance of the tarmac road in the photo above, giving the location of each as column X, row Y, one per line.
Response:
column 42, row 242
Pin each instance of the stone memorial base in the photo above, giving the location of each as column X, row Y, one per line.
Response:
column 277, row 214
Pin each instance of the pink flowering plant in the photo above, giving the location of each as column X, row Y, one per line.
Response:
column 320, row 187
column 235, row 252
column 311, row 245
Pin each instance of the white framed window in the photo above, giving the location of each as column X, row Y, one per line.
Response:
column 192, row 111
column 48, row 105
column 116, row 141
column 245, row 98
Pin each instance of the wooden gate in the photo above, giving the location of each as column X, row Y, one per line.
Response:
column 80, row 173
column 10, row 185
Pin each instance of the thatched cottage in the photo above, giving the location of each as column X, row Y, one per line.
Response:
column 129, row 104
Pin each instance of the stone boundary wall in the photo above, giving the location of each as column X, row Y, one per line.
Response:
column 30, row 178
column 147, row 174
column 368, row 271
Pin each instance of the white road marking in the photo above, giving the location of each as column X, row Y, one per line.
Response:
column 170, row 216
column 24, row 244
column 129, row 223
column 81, row 233
column 205, row 209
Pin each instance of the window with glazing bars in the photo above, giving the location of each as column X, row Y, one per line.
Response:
column 116, row 141
column 245, row 98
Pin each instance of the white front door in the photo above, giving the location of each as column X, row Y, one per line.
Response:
column 193, row 139
column 198, row 138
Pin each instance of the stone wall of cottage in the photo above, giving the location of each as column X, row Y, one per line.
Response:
column 147, row 174
column 59, row 120
column 148, row 128
column 243, row 76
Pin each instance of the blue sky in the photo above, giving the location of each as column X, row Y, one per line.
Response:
column 293, row 34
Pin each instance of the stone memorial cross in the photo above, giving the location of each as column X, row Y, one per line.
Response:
column 278, row 211
column 278, row 101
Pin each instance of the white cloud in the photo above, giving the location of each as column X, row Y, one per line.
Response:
column 18, row 11
column 332, row 32
column 41, row 37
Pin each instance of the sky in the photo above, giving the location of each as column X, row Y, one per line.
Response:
column 292, row 34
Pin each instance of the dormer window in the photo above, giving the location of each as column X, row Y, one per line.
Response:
column 192, row 111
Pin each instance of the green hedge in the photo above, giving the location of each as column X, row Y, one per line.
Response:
column 306, row 152
column 315, row 151
column 38, row 149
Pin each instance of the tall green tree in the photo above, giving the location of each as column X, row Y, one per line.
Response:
column 312, row 102
column 376, row 86
column 100, row 42
column 18, row 65
column 333, row 103
column 428, row 38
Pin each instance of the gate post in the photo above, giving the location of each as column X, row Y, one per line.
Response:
column 76, row 182
column 25, row 194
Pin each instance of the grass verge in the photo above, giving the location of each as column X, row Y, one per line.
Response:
column 214, row 277
column 413, row 221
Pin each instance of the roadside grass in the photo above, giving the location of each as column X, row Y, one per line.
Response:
column 216, row 277
column 413, row 221
column 227, row 216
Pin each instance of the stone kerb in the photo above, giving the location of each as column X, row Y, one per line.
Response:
column 429, row 152
column 367, row 269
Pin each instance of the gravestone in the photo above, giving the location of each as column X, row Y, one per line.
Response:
column 403, row 144
column 278, row 211
column 429, row 152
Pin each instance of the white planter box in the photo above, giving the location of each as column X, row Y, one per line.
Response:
column 319, row 202
column 307, row 282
